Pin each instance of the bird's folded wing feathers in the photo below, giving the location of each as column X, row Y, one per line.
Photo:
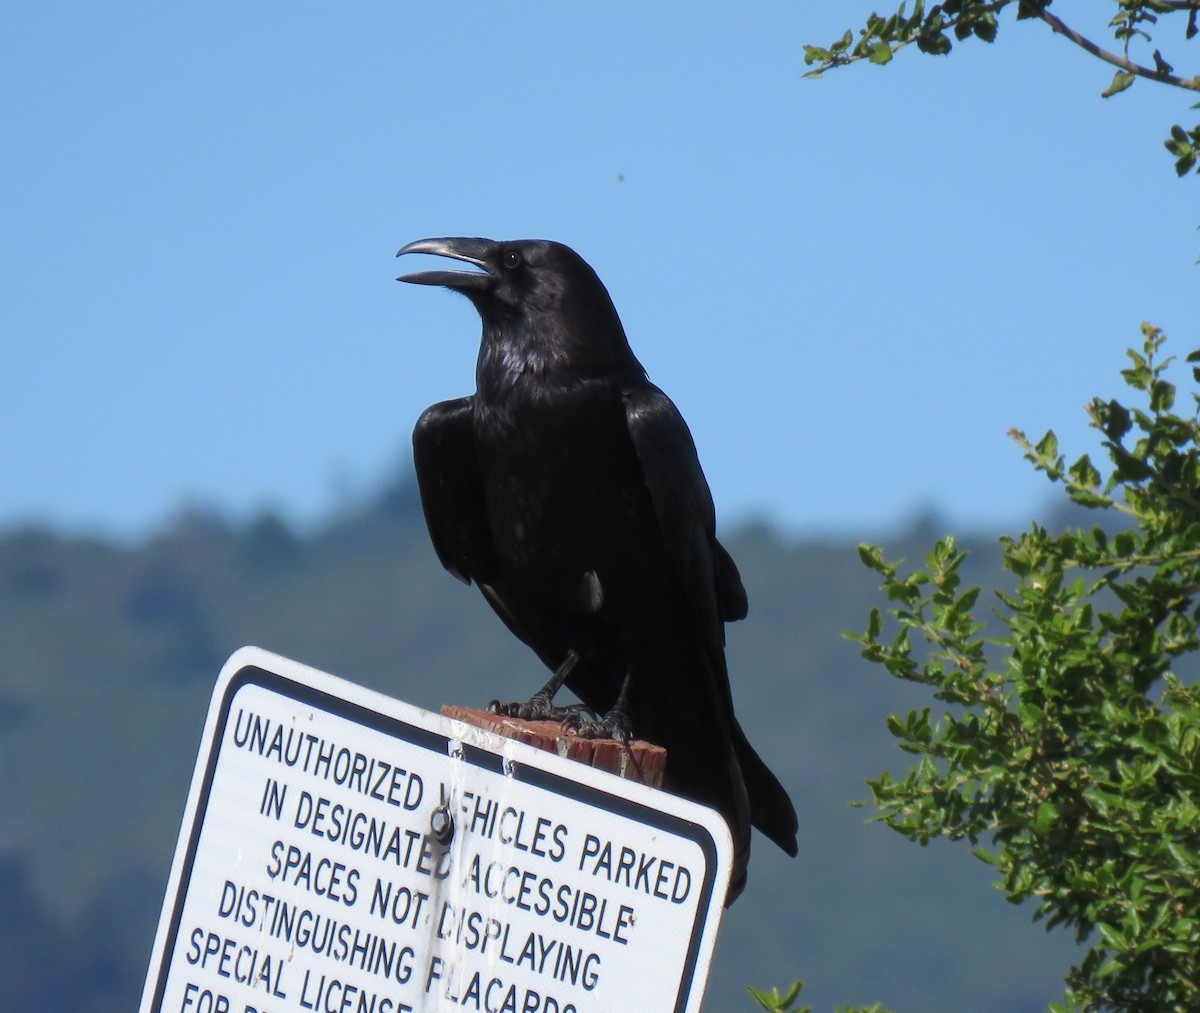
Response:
column 683, row 505
column 452, row 490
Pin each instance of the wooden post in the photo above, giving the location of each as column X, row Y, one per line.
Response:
column 639, row 761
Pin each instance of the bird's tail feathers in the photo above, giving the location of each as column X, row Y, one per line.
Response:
column 771, row 810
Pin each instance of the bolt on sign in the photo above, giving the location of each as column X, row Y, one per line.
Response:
column 344, row 852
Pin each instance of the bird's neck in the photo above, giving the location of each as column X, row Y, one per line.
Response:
column 515, row 358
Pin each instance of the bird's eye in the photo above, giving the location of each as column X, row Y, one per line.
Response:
column 512, row 259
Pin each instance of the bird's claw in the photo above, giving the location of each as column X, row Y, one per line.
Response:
column 614, row 725
column 538, row 708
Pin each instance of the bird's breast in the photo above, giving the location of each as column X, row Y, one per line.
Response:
column 564, row 494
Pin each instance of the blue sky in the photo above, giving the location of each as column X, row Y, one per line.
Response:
column 851, row 287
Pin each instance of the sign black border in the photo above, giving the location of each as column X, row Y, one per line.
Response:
column 438, row 743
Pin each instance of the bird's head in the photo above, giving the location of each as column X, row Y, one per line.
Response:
column 537, row 289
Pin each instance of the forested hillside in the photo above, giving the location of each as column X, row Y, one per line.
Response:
column 108, row 653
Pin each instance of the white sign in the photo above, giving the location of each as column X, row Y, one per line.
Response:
column 343, row 852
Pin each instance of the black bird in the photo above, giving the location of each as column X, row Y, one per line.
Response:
column 569, row 490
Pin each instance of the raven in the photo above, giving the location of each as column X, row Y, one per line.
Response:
column 569, row 490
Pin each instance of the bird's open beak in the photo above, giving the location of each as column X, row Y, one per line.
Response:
column 472, row 251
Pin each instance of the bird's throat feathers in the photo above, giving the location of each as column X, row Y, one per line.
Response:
column 524, row 354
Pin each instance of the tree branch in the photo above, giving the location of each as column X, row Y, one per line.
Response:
column 1190, row 83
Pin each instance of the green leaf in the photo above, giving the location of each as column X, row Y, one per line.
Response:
column 870, row 555
column 1113, row 418
column 1122, row 79
column 934, row 43
column 1162, row 396
column 1032, row 716
column 985, row 28
column 881, row 53
column 1084, row 472
column 842, row 44
column 1183, row 145
column 773, row 1002
column 874, row 624
column 815, row 54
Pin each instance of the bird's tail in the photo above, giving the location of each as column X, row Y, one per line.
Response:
column 771, row 810
column 698, row 768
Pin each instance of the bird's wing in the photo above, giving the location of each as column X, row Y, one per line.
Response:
column 734, row 604
column 683, row 507
column 452, row 490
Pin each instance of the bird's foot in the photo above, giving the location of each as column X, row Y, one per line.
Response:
column 614, row 725
column 539, row 708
